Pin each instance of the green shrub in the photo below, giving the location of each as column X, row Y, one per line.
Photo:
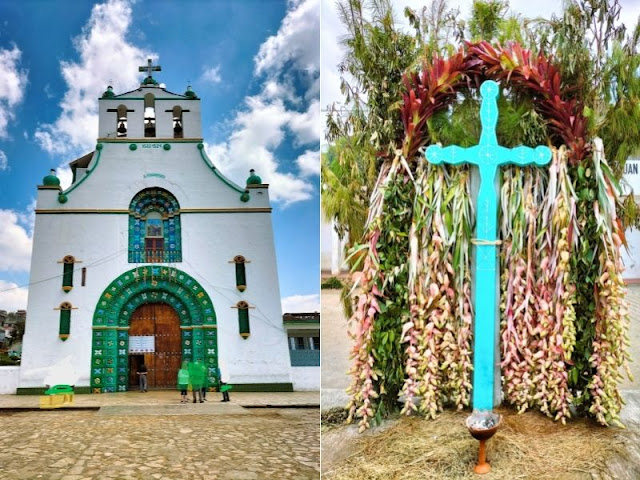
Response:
column 331, row 283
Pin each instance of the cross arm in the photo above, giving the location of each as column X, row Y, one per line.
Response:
column 524, row 156
column 453, row 155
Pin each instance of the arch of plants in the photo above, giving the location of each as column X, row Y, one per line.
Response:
column 564, row 321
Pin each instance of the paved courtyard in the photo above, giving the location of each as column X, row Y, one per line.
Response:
column 152, row 436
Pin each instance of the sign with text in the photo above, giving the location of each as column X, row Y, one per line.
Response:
column 631, row 177
column 142, row 344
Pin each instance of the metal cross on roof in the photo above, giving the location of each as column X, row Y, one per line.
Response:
column 488, row 156
column 149, row 67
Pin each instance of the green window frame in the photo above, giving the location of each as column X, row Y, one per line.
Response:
column 241, row 274
column 67, row 273
column 243, row 319
column 65, row 321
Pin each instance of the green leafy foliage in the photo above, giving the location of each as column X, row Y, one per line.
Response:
column 331, row 283
column 348, row 171
column 393, row 248
column 487, row 19
column 584, row 273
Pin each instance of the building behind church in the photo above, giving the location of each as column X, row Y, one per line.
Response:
column 156, row 258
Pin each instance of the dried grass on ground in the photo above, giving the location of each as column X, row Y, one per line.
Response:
column 527, row 446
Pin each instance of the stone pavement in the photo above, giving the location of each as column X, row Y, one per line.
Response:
column 82, row 445
column 153, row 436
column 633, row 301
column 336, row 345
column 169, row 397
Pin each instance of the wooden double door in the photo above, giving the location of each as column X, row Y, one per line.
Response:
column 162, row 322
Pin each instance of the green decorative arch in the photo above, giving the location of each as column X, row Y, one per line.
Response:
column 112, row 316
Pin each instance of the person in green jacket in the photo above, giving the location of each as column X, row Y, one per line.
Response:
column 183, row 381
column 196, row 378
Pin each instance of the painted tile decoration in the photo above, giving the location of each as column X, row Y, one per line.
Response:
column 141, row 285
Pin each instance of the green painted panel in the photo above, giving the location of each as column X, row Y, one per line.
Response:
column 65, row 324
column 67, row 275
column 243, row 320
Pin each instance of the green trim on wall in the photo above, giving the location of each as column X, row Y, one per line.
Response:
column 183, row 211
column 134, row 140
column 213, row 168
column 120, row 97
column 40, row 390
column 149, row 284
column 237, row 387
column 262, row 387
column 86, row 175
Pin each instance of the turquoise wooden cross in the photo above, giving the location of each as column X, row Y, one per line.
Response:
column 488, row 156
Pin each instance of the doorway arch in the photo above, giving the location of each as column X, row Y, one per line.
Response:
column 119, row 301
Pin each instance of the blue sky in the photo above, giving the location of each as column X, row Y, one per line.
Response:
column 254, row 64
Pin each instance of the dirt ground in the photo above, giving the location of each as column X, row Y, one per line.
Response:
column 528, row 446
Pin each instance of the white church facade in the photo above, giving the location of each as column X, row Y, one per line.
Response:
column 153, row 257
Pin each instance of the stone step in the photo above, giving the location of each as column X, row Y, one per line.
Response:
column 206, row 408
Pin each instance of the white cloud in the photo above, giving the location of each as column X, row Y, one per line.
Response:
column 105, row 55
column 13, row 81
column 278, row 113
column 65, row 174
column 297, row 41
column 12, row 297
column 309, row 163
column 4, row 161
column 15, row 242
column 212, row 75
column 307, row 125
column 257, row 132
column 27, row 219
column 301, row 303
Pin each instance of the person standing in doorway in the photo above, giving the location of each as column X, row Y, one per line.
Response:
column 142, row 374
column 196, row 378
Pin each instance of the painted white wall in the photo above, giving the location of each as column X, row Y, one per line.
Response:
column 632, row 258
column 631, row 184
column 100, row 242
column 305, row 378
column 9, row 378
column 332, row 254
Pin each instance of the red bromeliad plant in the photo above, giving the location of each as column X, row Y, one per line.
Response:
column 539, row 78
column 428, row 92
